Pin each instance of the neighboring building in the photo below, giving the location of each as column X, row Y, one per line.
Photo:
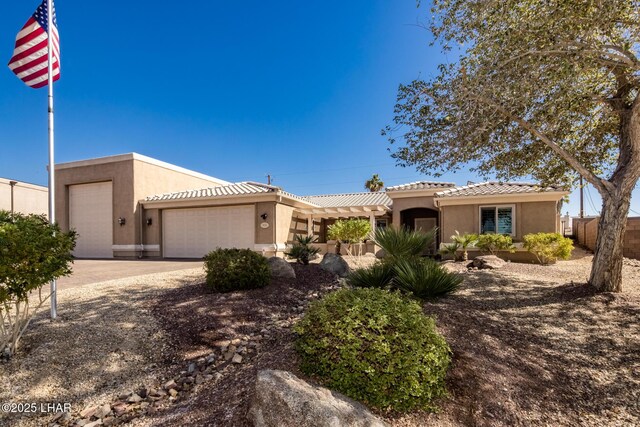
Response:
column 27, row 198
column 134, row 206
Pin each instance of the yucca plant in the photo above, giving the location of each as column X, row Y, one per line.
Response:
column 302, row 250
column 401, row 242
column 379, row 275
column 464, row 241
column 424, row 278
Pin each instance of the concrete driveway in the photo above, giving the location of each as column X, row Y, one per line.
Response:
column 88, row 271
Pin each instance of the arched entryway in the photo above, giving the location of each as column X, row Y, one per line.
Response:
column 421, row 219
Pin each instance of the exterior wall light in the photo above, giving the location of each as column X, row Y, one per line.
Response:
column 122, row 221
column 149, row 221
column 264, row 216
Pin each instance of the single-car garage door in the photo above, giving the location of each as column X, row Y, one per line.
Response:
column 192, row 233
column 91, row 215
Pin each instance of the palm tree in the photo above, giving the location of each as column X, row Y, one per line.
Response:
column 374, row 184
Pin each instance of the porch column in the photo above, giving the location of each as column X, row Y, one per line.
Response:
column 372, row 221
column 310, row 226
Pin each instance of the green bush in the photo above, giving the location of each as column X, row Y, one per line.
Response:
column 236, row 269
column 374, row 346
column 302, row 250
column 379, row 275
column 402, row 242
column 465, row 240
column 494, row 242
column 548, row 247
column 32, row 253
column 450, row 249
column 424, row 278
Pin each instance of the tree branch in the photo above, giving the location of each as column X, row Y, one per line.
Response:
column 603, row 186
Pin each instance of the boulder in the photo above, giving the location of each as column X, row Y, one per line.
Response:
column 488, row 262
column 335, row 264
column 284, row 400
column 381, row 253
column 280, row 268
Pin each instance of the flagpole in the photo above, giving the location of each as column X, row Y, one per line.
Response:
column 52, row 186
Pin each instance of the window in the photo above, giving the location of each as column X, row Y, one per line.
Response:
column 497, row 219
column 381, row 223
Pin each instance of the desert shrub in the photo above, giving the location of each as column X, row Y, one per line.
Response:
column 548, row 247
column 378, row 275
column 402, row 242
column 350, row 231
column 302, row 250
column 424, row 278
column 492, row 243
column 32, row 253
column 465, row 240
column 375, row 346
column 450, row 249
column 236, row 269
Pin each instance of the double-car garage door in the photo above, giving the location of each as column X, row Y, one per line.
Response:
column 192, row 233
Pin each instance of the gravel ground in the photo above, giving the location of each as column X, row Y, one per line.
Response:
column 532, row 346
column 103, row 342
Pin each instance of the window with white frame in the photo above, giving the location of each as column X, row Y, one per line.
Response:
column 497, row 219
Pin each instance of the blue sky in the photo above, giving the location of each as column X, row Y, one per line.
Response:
column 237, row 90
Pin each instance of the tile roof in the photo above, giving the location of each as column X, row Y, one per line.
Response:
column 421, row 185
column 237, row 189
column 495, row 188
column 350, row 199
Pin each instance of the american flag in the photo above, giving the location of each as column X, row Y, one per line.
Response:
column 29, row 61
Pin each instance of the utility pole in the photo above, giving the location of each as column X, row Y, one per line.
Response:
column 581, row 215
column 12, row 184
column 268, row 179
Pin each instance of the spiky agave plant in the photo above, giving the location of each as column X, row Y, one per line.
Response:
column 401, row 242
column 302, row 250
column 378, row 275
column 424, row 278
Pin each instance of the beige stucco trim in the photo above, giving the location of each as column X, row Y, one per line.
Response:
column 427, row 192
column 146, row 248
column 139, row 157
column 24, row 185
column 501, row 199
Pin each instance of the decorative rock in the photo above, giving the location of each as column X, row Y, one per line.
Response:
column 103, row 411
column 192, row 368
column 88, row 412
column 134, row 398
column 488, row 262
column 169, row 384
column 335, row 264
column 281, row 268
column 237, row 358
column 173, row 392
column 119, row 409
column 94, row 424
column 282, row 399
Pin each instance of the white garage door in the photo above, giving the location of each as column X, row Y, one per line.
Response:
column 192, row 233
column 91, row 215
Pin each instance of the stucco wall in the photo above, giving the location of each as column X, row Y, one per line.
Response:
column 265, row 235
column 284, row 222
column 401, row 204
column 124, row 203
column 530, row 217
column 27, row 198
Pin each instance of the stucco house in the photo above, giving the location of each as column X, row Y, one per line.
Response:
column 23, row 197
column 134, row 206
